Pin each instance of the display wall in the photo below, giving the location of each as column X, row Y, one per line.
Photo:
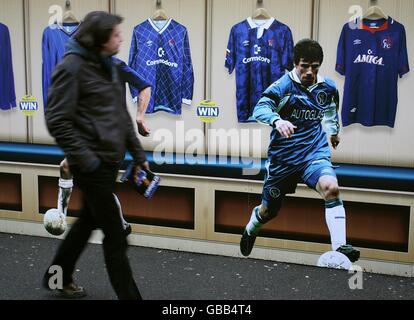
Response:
column 209, row 23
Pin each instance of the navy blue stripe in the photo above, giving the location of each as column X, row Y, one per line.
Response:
column 332, row 203
column 258, row 217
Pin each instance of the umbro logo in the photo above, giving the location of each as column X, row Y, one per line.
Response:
column 357, row 42
column 246, row 43
column 149, row 43
column 353, row 110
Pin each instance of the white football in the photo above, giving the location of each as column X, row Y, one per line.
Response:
column 334, row 259
column 54, row 222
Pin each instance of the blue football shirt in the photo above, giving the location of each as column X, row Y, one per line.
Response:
column 371, row 57
column 7, row 92
column 160, row 53
column 261, row 52
column 54, row 41
column 312, row 110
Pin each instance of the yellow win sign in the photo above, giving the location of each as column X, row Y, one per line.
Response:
column 29, row 105
column 208, row 111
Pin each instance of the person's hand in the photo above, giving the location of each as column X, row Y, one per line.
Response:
column 145, row 165
column 335, row 141
column 142, row 128
column 138, row 168
column 285, row 128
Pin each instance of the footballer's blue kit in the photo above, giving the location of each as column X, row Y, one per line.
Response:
column 306, row 155
column 261, row 53
column 7, row 92
column 160, row 53
column 371, row 57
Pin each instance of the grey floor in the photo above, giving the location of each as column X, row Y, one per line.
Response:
column 171, row 275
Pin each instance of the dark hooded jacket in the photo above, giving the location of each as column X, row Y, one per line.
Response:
column 87, row 113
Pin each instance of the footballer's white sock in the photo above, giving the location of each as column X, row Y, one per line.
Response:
column 255, row 222
column 336, row 221
column 65, row 191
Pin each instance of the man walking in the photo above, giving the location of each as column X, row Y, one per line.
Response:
column 88, row 117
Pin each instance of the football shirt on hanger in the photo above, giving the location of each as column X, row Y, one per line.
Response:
column 7, row 92
column 371, row 57
column 261, row 51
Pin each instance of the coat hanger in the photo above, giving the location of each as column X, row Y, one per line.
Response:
column 261, row 14
column 159, row 15
column 69, row 16
column 375, row 13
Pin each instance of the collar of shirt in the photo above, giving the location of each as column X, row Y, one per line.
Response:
column 260, row 27
column 294, row 76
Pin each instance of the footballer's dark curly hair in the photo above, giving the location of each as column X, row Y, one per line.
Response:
column 308, row 50
column 96, row 29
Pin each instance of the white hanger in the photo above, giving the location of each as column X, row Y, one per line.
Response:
column 159, row 15
column 69, row 17
column 261, row 14
column 375, row 13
